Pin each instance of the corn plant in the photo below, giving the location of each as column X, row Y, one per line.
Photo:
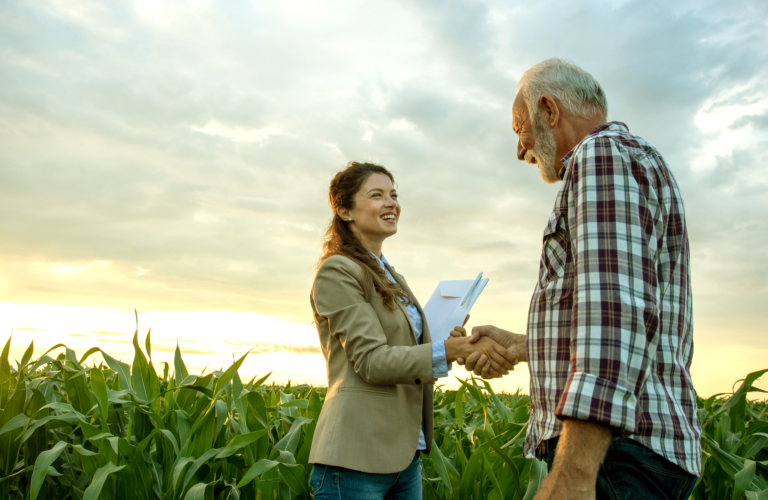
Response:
column 735, row 455
column 72, row 428
column 478, row 448
column 68, row 430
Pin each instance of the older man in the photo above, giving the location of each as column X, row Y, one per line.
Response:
column 610, row 332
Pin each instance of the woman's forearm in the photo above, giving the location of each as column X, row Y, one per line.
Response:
column 387, row 365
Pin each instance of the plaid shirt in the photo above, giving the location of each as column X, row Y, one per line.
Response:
column 610, row 327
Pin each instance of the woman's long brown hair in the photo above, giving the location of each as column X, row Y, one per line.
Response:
column 341, row 240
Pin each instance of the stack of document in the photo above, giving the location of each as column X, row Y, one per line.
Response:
column 450, row 303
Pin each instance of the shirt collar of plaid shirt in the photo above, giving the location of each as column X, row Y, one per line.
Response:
column 617, row 126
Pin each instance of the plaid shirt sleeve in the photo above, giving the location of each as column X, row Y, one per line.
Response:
column 615, row 306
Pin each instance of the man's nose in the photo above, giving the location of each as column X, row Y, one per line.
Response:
column 520, row 151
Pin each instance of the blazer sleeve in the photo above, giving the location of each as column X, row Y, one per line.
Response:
column 339, row 296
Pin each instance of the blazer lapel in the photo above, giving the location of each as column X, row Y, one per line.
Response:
column 425, row 336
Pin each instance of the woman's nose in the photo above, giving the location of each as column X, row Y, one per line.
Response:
column 520, row 151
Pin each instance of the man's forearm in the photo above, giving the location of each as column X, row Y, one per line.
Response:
column 580, row 451
column 518, row 346
column 582, row 446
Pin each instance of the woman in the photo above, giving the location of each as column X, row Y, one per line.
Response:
column 377, row 414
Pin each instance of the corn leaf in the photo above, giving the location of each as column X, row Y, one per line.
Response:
column 100, row 393
column 43, row 462
column 256, row 470
column 143, row 379
column 438, row 461
column 17, row 422
column 536, row 475
column 200, row 491
column 239, row 442
column 742, row 391
column 5, row 374
column 290, row 441
column 295, row 477
column 97, row 483
column 179, row 368
column 121, row 369
column 743, row 478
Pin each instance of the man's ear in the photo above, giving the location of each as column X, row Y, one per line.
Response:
column 550, row 111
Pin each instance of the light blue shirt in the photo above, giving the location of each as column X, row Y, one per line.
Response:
column 439, row 364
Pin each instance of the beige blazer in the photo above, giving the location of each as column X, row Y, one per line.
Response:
column 379, row 378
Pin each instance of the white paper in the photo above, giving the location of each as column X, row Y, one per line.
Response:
column 444, row 310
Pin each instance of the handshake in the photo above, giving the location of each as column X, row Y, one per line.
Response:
column 489, row 352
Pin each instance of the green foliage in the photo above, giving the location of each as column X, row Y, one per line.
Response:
column 119, row 431
column 734, row 452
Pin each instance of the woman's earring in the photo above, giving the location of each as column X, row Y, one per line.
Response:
column 350, row 220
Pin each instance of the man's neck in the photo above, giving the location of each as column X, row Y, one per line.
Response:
column 572, row 130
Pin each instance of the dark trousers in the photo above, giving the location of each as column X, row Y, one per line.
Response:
column 631, row 471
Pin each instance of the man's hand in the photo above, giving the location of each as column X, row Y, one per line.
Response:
column 459, row 347
column 514, row 344
column 580, row 451
column 489, row 367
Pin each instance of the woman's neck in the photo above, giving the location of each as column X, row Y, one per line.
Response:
column 374, row 246
column 374, row 249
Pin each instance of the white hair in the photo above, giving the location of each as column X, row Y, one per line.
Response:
column 571, row 86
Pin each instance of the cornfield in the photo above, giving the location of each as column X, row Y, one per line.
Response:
column 117, row 431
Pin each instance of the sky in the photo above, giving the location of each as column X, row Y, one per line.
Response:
column 174, row 158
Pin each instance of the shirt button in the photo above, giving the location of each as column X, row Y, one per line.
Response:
column 418, row 380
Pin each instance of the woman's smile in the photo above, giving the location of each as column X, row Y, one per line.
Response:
column 390, row 218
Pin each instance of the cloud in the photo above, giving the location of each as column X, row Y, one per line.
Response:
column 236, row 134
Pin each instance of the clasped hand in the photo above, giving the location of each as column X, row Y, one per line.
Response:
column 490, row 352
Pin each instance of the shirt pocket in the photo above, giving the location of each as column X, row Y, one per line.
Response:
column 555, row 249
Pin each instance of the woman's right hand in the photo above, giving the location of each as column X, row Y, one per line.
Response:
column 460, row 331
column 495, row 353
column 459, row 348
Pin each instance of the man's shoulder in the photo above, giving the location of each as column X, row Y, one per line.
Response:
column 616, row 147
column 616, row 134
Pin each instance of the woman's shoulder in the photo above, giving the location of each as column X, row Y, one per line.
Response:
column 338, row 273
column 336, row 263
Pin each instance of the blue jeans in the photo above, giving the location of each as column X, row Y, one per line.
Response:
column 338, row 483
column 631, row 471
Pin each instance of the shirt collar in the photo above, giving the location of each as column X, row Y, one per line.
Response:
column 382, row 260
column 613, row 126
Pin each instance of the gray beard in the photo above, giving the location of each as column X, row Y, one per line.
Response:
column 544, row 153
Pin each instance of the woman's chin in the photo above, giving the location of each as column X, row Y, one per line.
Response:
column 389, row 231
